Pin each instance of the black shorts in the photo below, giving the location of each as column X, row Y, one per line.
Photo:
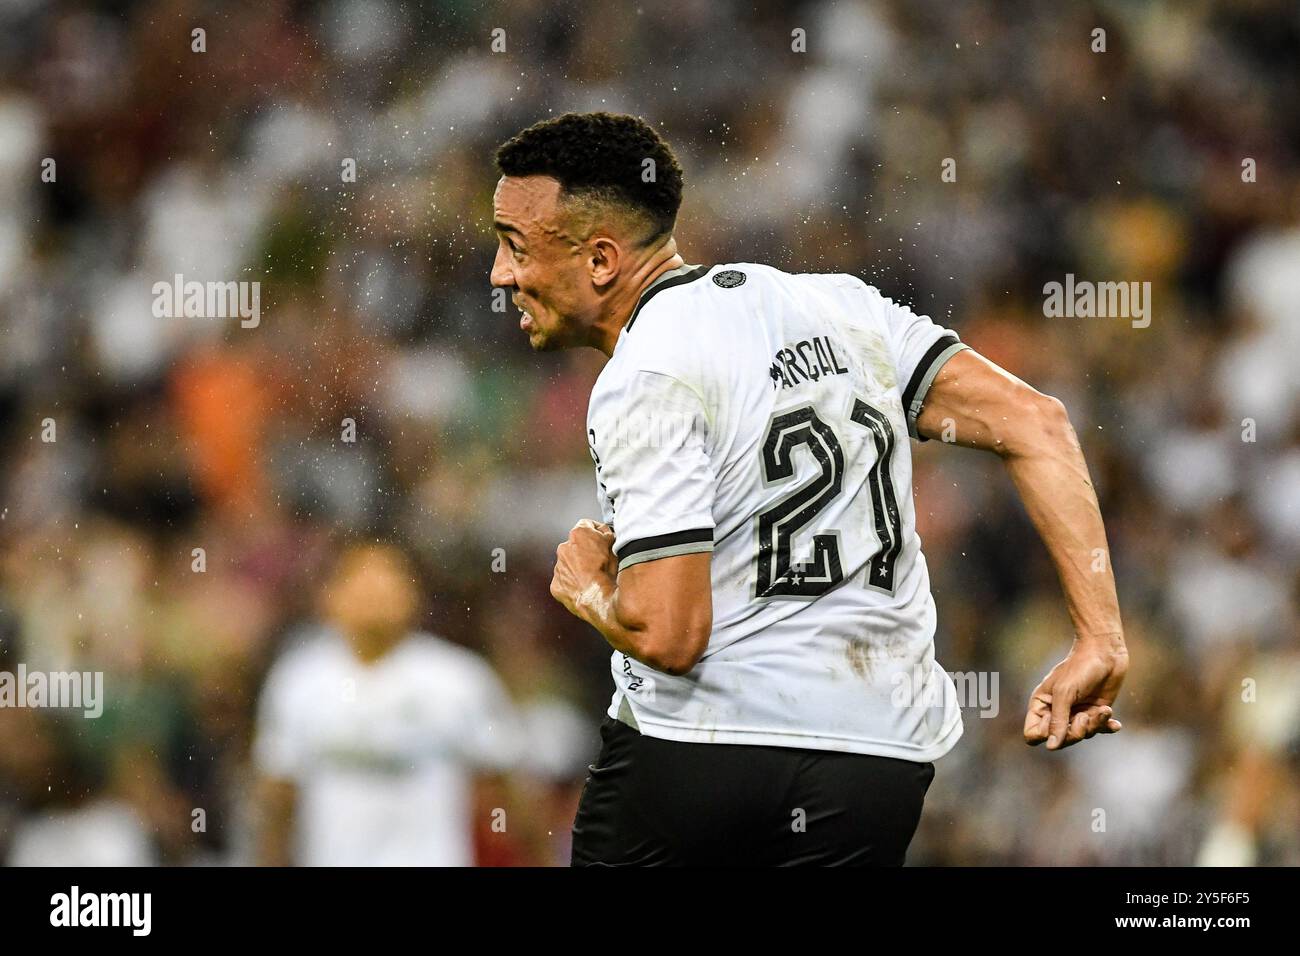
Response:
column 653, row 802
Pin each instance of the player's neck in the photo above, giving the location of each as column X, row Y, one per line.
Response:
column 373, row 646
column 623, row 301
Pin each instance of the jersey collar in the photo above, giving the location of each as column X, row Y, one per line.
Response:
column 679, row 276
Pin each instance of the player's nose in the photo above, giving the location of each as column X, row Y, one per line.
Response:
column 501, row 275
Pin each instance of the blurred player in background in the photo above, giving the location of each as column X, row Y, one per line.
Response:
column 371, row 735
column 758, row 571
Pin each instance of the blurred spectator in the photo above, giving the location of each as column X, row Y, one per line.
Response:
column 369, row 733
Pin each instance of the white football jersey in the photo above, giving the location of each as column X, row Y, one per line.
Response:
column 763, row 416
column 384, row 753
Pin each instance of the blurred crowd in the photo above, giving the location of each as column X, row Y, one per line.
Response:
column 177, row 492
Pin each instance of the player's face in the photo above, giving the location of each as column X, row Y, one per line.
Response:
column 372, row 594
column 541, row 264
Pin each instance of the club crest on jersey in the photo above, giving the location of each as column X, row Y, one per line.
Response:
column 729, row 278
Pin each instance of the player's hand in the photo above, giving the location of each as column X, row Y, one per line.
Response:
column 1074, row 701
column 582, row 562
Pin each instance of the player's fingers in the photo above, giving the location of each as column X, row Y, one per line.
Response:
column 1081, row 728
column 563, row 555
column 1039, row 711
column 1035, row 729
column 1037, row 720
column 1062, row 700
column 1095, row 716
column 1111, row 726
column 1076, row 730
column 1087, row 723
column 591, row 533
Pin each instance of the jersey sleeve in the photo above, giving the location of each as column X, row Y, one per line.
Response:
column 920, row 346
column 648, row 439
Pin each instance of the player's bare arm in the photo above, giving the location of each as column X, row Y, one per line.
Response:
column 277, row 801
column 658, row 612
column 984, row 406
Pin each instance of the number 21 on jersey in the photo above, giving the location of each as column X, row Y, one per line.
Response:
column 781, row 521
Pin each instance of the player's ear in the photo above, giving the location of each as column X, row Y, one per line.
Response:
column 605, row 259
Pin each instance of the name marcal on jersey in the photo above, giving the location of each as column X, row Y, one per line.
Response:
column 803, row 361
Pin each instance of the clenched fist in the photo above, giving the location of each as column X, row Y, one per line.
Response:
column 585, row 566
column 1074, row 701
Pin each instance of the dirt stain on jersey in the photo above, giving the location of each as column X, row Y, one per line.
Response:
column 858, row 654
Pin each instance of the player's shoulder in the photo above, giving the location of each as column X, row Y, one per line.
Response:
column 309, row 646
column 443, row 658
column 694, row 314
column 688, row 310
column 693, row 300
column 853, row 298
column 307, row 656
column 671, row 300
column 844, row 284
column 677, row 296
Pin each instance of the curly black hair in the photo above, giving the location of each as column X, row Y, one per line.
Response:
column 601, row 156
